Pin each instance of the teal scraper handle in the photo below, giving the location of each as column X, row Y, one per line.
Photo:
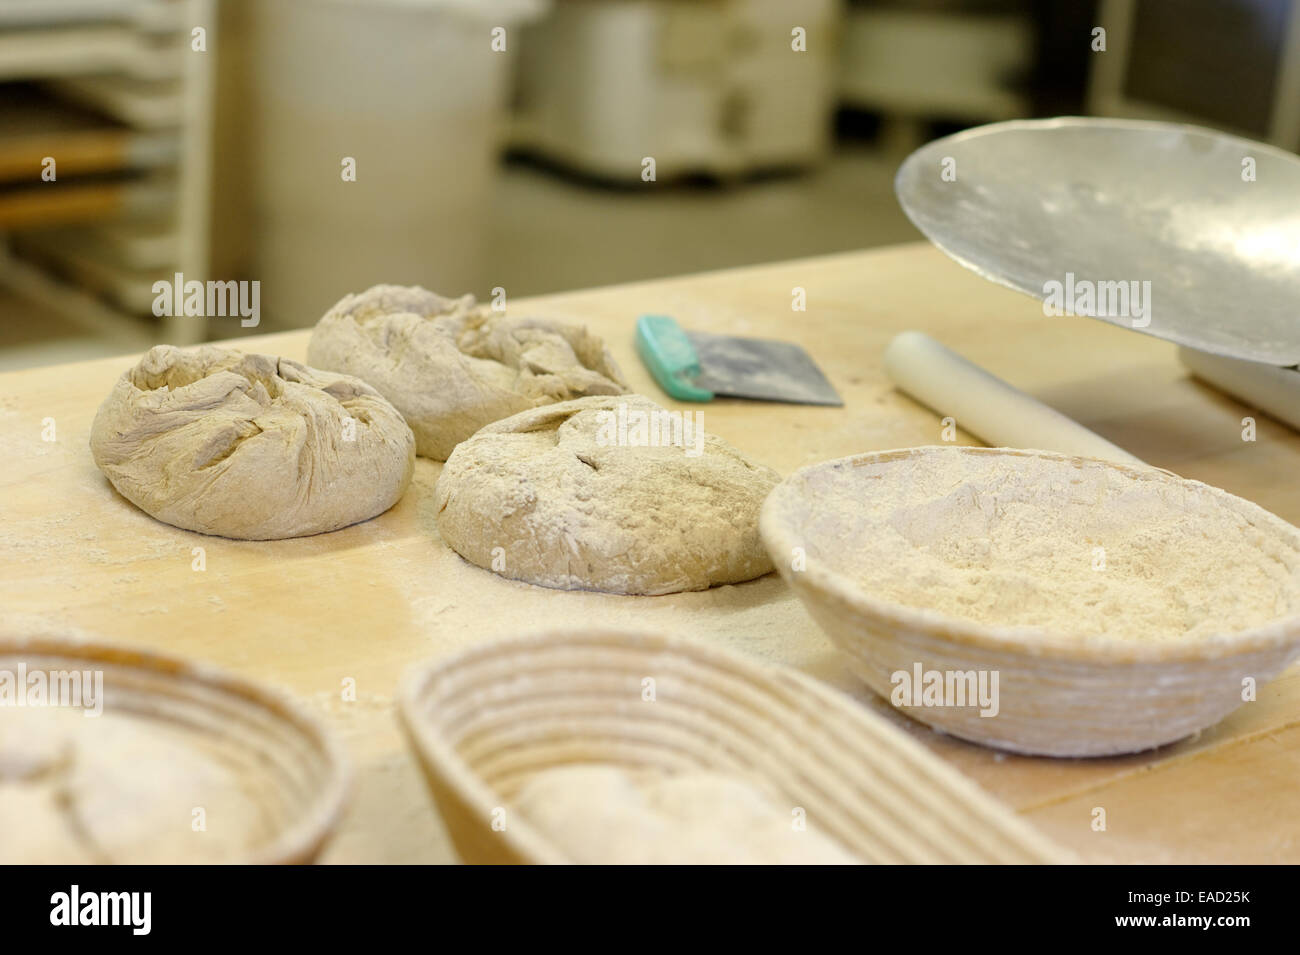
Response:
column 670, row 356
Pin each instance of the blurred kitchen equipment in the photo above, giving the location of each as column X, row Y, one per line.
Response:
column 914, row 63
column 696, row 366
column 414, row 92
column 717, row 87
column 117, row 95
column 985, row 405
column 1200, row 215
column 1153, row 66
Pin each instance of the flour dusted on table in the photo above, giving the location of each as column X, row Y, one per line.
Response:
column 1071, row 547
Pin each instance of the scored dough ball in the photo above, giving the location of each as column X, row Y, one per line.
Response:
column 570, row 496
column 450, row 367
column 250, row 446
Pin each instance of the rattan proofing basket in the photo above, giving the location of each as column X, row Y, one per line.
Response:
column 1060, row 694
column 483, row 722
column 291, row 766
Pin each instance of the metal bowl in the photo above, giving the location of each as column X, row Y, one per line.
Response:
column 1124, row 200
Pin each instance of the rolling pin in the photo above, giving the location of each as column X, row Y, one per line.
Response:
column 985, row 405
column 1273, row 390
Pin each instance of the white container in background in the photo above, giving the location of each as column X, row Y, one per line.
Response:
column 710, row 86
column 414, row 92
column 936, row 63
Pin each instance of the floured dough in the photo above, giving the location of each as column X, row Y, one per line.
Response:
column 546, row 497
column 603, row 815
column 451, row 367
column 250, row 446
column 1062, row 545
column 117, row 789
column 34, row 824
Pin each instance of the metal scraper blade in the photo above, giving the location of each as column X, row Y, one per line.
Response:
column 760, row 369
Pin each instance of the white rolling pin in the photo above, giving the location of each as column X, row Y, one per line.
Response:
column 985, row 405
column 1273, row 390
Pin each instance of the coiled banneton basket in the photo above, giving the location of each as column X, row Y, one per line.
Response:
column 487, row 720
column 1061, row 693
column 263, row 749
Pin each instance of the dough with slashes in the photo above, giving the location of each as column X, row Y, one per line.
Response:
column 568, row 496
column 451, row 366
column 250, row 446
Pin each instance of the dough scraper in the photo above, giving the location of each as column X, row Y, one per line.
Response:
column 1210, row 221
column 696, row 366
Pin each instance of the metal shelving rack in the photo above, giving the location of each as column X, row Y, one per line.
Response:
column 132, row 63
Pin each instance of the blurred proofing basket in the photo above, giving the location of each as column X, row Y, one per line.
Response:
column 413, row 91
column 1059, row 693
column 487, row 720
column 288, row 764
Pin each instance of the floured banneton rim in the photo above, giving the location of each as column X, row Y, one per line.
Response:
column 451, row 366
column 1122, row 607
column 252, row 447
column 570, row 496
column 488, row 721
column 170, row 738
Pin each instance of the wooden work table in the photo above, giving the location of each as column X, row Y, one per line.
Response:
column 369, row 601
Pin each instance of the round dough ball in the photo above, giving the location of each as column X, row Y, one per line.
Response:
column 250, row 446
column 450, row 367
column 572, row 502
